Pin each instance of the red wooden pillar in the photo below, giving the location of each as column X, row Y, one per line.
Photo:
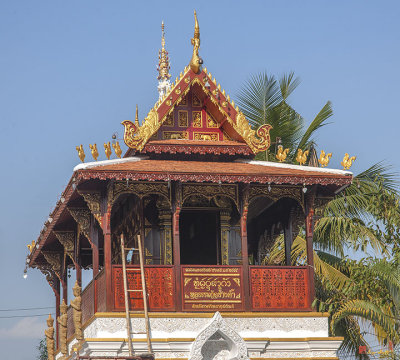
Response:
column 245, row 254
column 309, row 240
column 64, row 283
column 56, row 289
column 77, row 261
column 176, row 207
column 106, row 223
column 94, row 243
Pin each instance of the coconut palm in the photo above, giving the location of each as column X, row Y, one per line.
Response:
column 351, row 290
column 264, row 100
column 363, row 217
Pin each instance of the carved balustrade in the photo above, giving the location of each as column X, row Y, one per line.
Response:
column 216, row 288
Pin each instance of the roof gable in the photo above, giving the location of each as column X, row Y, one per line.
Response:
column 214, row 107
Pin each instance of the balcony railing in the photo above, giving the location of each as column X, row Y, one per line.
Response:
column 215, row 288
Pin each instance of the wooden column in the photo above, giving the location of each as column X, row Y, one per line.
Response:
column 64, row 281
column 309, row 239
column 225, row 218
column 56, row 289
column 288, row 235
column 176, row 210
column 245, row 254
column 77, row 262
column 94, row 243
column 106, row 224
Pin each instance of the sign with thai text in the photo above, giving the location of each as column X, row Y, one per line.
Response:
column 212, row 288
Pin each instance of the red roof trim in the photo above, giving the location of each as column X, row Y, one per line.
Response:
column 207, row 148
column 207, row 177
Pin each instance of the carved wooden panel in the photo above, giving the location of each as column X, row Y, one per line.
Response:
column 70, row 323
column 159, row 285
column 101, row 291
column 279, row 288
column 88, row 302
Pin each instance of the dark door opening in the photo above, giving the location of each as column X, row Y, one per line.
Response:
column 199, row 237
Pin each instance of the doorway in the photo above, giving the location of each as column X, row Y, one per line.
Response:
column 199, row 237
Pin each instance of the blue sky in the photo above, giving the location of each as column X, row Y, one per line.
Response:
column 71, row 71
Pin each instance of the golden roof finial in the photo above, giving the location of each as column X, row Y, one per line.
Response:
column 196, row 60
column 163, row 59
column 137, row 117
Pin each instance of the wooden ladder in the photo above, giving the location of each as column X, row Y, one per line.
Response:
column 127, row 291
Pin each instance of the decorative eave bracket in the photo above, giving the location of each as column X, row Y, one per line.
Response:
column 82, row 218
column 93, row 201
column 67, row 240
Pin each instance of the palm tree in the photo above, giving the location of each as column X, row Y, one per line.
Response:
column 352, row 220
column 366, row 215
column 264, row 100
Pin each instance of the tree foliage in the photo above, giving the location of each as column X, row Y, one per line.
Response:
column 364, row 218
column 42, row 350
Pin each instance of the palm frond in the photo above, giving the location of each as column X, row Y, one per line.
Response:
column 288, row 83
column 336, row 233
column 390, row 275
column 365, row 310
column 259, row 94
column 318, row 122
column 380, row 171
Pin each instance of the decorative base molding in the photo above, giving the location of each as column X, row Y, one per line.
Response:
column 219, row 338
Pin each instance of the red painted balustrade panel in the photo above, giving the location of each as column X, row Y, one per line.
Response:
column 279, row 288
column 101, row 291
column 70, row 322
column 88, row 302
column 160, row 286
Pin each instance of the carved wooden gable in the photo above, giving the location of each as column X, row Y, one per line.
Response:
column 192, row 106
column 192, row 120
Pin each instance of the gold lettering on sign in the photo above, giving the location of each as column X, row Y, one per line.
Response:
column 212, row 288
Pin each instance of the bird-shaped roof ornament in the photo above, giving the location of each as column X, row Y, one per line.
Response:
column 107, row 150
column 301, row 157
column 347, row 161
column 117, row 149
column 81, row 153
column 324, row 159
column 93, row 149
column 281, row 154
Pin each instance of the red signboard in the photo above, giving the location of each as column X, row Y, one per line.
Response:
column 212, row 288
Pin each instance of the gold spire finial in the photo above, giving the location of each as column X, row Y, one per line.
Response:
column 196, row 60
column 163, row 59
column 137, row 116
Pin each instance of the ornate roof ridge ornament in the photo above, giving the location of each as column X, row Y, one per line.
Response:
column 196, row 60
column 163, row 67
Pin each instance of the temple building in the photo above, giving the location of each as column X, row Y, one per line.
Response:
column 190, row 208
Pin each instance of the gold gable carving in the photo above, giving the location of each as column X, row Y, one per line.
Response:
column 136, row 136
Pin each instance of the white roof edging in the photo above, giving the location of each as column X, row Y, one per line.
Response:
column 295, row 167
column 93, row 164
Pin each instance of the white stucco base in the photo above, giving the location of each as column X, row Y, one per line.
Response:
column 239, row 336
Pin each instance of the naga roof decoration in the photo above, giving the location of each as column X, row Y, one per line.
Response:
column 229, row 115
